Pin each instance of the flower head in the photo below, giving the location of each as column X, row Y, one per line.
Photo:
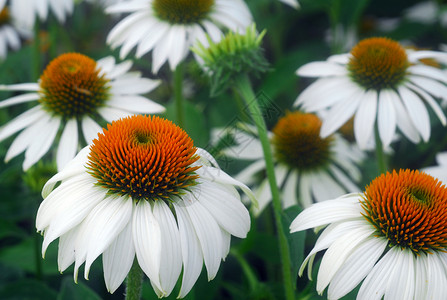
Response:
column 143, row 190
column 393, row 237
column 378, row 79
column 308, row 167
column 169, row 28
column 234, row 54
column 73, row 90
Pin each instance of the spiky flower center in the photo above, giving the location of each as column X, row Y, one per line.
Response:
column 297, row 142
column 378, row 63
column 146, row 158
column 72, row 86
column 182, row 11
column 409, row 208
column 4, row 16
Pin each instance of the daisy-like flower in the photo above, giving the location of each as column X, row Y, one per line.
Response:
column 308, row 168
column 143, row 190
column 73, row 91
column 393, row 237
column 9, row 34
column 378, row 79
column 25, row 12
column 169, row 28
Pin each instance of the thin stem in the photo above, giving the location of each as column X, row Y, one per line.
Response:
column 134, row 282
column 244, row 86
column 380, row 155
column 249, row 274
column 178, row 93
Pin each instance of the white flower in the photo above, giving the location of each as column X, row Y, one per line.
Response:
column 72, row 92
column 143, row 190
column 393, row 238
column 378, row 80
column 169, row 28
column 307, row 167
column 24, row 12
column 9, row 33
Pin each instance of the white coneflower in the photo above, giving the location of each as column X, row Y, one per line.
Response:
column 378, row 79
column 393, row 237
column 308, row 168
column 73, row 91
column 169, row 28
column 24, row 12
column 142, row 190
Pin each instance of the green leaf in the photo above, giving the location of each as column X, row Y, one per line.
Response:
column 27, row 289
column 23, row 256
column 72, row 291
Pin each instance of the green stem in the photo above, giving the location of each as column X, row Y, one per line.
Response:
column 249, row 274
column 244, row 86
column 134, row 282
column 380, row 155
column 178, row 92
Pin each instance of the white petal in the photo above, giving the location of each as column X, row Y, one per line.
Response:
column 338, row 252
column 132, row 85
column 401, row 286
column 324, row 187
column 42, row 143
column 135, row 104
column 66, row 249
column 364, row 118
column 112, row 114
column 414, row 56
column 68, row 144
column 101, row 228
column 374, row 285
column 342, row 208
column 90, row 129
column 248, row 173
column 326, row 92
column 427, row 71
column 386, row 116
column 290, row 193
column 21, row 121
column 31, row 87
column 117, row 259
column 223, row 203
column 214, row 174
column 105, row 65
column 163, row 49
column 157, row 32
column 431, row 86
column 404, row 122
column 191, row 252
column 146, row 235
column 177, row 53
column 171, row 260
column 74, row 207
column 209, row 235
column 340, row 113
column 321, row 69
column 330, row 234
column 421, row 277
column 437, row 280
column 433, row 104
column 356, row 267
column 19, row 99
column 212, row 30
column 73, row 168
